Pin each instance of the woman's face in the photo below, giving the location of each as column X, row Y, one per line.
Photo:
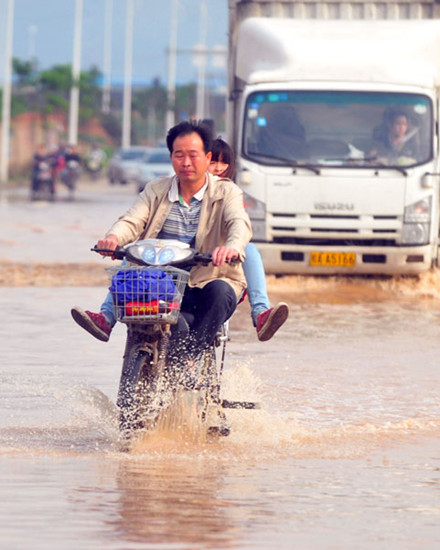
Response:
column 398, row 127
column 217, row 167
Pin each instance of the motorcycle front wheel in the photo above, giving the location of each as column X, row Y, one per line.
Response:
column 136, row 395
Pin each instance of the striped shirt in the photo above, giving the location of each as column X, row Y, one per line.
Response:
column 183, row 219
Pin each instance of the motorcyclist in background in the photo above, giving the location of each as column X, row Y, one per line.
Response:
column 42, row 173
column 95, row 160
column 72, row 169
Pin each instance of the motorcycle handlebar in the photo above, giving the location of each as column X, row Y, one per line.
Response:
column 205, row 258
column 118, row 253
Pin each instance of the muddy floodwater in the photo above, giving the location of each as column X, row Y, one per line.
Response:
column 343, row 454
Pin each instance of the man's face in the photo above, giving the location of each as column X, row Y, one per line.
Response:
column 190, row 162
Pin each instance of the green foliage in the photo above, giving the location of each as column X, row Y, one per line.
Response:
column 24, row 71
column 154, row 97
column 186, row 100
column 54, row 86
column 58, row 79
column 48, row 92
column 19, row 105
column 56, row 102
column 90, row 94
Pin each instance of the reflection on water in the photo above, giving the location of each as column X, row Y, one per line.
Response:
column 344, row 452
column 173, row 502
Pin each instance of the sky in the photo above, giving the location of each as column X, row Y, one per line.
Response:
column 44, row 29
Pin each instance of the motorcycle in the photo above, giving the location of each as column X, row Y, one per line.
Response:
column 94, row 163
column 147, row 292
column 43, row 186
column 70, row 175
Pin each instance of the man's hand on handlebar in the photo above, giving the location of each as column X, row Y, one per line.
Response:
column 223, row 254
column 110, row 243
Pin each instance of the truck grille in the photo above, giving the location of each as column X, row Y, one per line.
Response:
column 335, row 242
column 337, row 230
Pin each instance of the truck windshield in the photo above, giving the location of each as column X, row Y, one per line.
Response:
column 338, row 128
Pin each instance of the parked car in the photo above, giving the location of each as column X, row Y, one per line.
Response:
column 155, row 164
column 123, row 166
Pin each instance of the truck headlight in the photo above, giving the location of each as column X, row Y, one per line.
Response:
column 420, row 211
column 257, row 212
column 415, row 233
column 259, row 230
column 416, row 222
column 255, row 208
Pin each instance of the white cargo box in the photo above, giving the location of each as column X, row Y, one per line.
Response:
column 391, row 52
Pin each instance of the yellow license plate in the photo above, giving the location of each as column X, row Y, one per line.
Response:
column 333, row 259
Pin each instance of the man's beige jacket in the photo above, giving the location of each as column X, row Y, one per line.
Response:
column 223, row 222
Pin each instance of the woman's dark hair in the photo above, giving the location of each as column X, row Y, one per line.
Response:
column 222, row 151
column 188, row 127
column 390, row 115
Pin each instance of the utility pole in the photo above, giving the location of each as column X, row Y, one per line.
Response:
column 33, row 29
column 108, row 23
column 126, row 107
column 172, row 52
column 6, row 107
column 76, row 71
column 200, row 99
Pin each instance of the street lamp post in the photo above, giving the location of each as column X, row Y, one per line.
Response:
column 76, row 71
column 126, row 107
column 171, row 91
column 33, row 29
column 6, row 107
column 107, row 56
column 200, row 98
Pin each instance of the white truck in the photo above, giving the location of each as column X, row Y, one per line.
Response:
column 335, row 127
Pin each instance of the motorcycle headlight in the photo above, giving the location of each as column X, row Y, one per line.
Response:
column 158, row 252
column 148, row 254
column 166, row 255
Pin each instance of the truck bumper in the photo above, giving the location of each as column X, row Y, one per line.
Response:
column 290, row 259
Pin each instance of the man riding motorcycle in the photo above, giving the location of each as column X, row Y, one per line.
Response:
column 194, row 208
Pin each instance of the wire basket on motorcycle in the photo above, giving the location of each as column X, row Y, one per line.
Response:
column 147, row 293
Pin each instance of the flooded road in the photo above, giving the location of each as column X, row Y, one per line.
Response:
column 343, row 454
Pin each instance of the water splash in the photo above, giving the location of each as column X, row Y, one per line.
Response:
column 84, row 420
column 51, row 414
column 268, row 433
column 352, row 288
